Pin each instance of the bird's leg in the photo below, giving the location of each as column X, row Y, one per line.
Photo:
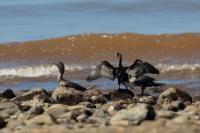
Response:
column 142, row 93
column 119, row 84
column 119, row 87
column 126, row 86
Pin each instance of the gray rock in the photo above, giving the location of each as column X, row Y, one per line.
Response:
column 99, row 121
column 93, row 92
column 8, row 94
column 101, row 113
column 134, row 115
column 173, row 94
column 112, row 107
column 196, row 98
column 39, row 93
column 165, row 114
column 182, row 119
column 37, row 110
column 174, row 106
column 98, row 99
column 82, row 118
column 57, row 110
column 44, row 119
column 69, row 117
column 148, row 100
column 14, row 124
column 192, row 109
column 8, row 109
column 68, row 96
column 120, row 95
column 87, row 104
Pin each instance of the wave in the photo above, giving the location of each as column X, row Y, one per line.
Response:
column 178, row 67
column 50, row 70
column 37, row 71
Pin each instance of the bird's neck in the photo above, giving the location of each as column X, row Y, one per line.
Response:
column 120, row 61
column 60, row 77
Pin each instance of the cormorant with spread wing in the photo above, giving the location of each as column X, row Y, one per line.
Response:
column 123, row 74
column 143, row 82
column 66, row 83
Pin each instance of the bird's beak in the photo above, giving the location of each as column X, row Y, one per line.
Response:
column 54, row 63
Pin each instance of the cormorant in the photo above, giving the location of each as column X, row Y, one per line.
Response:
column 143, row 82
column 123, row 74
column 66, row 83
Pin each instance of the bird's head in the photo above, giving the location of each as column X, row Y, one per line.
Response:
column 60, row 65
column 118, row 55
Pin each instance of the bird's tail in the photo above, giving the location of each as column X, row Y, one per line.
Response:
column 159, row 84
column 129, row 85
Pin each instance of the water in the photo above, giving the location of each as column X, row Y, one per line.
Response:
column 29, row 65
column 41, row 19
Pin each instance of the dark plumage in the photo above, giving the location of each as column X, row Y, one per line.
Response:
column 105, row 69
column 123, row 74
column 143, row 82
column 139, row 68
column 66, row 83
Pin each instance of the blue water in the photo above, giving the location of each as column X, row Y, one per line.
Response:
column 22, row 20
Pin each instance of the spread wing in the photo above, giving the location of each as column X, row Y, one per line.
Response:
column 105, row 69
column 143, row 79
column 139, row 68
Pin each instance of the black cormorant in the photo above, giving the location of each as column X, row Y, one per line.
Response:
column 143, row 82
column 66, row 83
column 123, row 74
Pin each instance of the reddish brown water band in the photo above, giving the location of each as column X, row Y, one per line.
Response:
column 95, row 47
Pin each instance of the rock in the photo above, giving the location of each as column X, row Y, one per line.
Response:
column 82, row 118
column 134, row 115
column 57, row 110
column 98, row 121
column 37, row 110
column 8, row 94
column 112, row 107
column 148, row 100
column 87, row 104
column 13, row 124
column 193, row 109
column 2, row 123
column 8, row 109
column 120, row 95
column 70, row 117
column 174, row 106
column 165, row 114
column 98, row 99
column 196, row 98
column 68, row 96
column 173, row 94
column 182, row 119
column 44, row 119
column 38, row 93
column 101, row 113
column 93, row 92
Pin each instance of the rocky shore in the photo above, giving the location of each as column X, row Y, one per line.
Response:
column 69, row 110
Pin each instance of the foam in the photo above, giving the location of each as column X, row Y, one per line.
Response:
column 36, row 71
column 178, row 67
